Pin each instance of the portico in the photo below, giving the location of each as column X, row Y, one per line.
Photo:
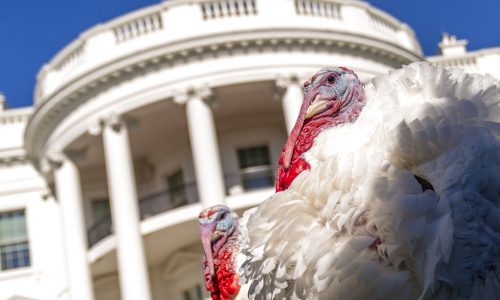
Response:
column 208, row 115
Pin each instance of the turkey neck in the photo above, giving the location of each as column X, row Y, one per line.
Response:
column 305, row 140
column 226, row 277
column 310, row 130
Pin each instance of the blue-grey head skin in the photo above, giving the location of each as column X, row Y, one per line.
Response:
column 217, row 223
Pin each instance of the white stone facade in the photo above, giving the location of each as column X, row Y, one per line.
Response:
column 144, row 120
column 454, row 54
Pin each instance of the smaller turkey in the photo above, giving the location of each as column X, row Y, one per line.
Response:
column 391, row 191
column 224, row 239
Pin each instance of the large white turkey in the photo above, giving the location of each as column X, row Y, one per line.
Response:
column 395, row 195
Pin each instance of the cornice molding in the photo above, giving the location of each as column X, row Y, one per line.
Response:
column 59, row 104
column 17, row 115
column 13, row 160
column 13, row 156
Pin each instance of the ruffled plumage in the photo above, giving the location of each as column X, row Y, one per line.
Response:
column 359, row 225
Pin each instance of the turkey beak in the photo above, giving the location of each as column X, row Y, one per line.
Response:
column 297, row 128
column 317, row 105
column 207, row 230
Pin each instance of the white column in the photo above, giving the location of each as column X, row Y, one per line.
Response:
column 69, row 195
column 132, row 267
column 204, row 147
column 291, row 100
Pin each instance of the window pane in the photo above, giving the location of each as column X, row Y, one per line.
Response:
column 258, row 182
column 255, row 167
column 100, row 209
column 15, row 256
column 255, row 156
column 14, row 248
column 12, row 227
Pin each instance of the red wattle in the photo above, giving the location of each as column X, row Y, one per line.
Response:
column 225, row 284
column 304, row 142
column 286, row 177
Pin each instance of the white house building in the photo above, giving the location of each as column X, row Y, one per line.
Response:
column 143, row 120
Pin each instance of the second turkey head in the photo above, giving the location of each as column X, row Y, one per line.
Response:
column 219, row 236
column 332, row 96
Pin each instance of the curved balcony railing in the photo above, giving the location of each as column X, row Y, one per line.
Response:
column 137, row 27
column 149, row 205
column 99, row 230
column 318, row 8
column 168, row 199
column 175, row 21
column 224, row 9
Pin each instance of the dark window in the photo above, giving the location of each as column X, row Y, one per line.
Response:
column 14, row 247
column 255, row 167
column 101, row 226
column 177, row 189
column 100, row 209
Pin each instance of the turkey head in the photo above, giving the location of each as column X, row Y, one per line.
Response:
column 332, row 96
column 219, row 234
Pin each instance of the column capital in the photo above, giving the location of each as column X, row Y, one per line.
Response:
column 114, row 121
column 96, row 127
column 53, row 160
column 290, row 91
column 202, row 92
column 284, row 81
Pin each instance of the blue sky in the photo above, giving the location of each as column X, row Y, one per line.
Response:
column 32, row 31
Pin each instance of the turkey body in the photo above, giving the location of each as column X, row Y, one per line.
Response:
column 404, row 203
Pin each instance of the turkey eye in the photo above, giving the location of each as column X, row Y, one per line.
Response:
column 331, row 79
column 221, row 216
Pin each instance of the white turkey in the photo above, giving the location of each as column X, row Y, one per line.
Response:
column 392, row 195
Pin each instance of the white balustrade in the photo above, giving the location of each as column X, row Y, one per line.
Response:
column 461, row 62
column 138, row 27
column 17, row 116
column 109, row 42
column 73, row 54
column 318, row 8
column 382, row 24
column 228, row 8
